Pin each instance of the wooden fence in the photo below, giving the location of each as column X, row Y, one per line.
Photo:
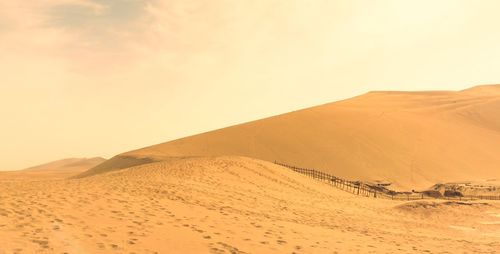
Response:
column 375, row 191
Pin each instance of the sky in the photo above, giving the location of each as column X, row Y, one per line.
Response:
column 85, row 78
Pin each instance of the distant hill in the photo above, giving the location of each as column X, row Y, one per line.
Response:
column 68, row 164
column 411, row 139
column 56, row 169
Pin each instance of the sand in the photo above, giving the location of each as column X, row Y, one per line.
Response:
column 410, row 139
column 229, row 205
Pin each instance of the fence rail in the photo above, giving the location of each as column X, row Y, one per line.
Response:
column 363, row 189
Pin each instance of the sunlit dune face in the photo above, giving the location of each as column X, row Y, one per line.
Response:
column 95, row 78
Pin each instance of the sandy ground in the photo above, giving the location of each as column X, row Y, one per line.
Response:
column 229, row 205
column 410, row 139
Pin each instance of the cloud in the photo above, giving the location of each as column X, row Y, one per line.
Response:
column 100, row 35
column 98, row 23
column 85, row 33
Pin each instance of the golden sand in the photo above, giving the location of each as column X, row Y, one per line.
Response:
column 229, row 205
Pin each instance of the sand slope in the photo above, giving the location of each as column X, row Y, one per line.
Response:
column 56, row 169
column 413, row 139
column 229, row 205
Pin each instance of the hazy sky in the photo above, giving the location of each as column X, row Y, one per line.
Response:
column 81, row 78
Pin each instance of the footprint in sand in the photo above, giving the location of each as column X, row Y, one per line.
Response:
column 281, row 242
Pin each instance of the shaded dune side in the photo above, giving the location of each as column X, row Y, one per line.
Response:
column 116, row 163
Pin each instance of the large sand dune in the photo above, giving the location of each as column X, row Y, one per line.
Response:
column 412, row 139
column 229, row 205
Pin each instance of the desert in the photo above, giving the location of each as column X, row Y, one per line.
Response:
column 217, row 193
column 249, row 127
